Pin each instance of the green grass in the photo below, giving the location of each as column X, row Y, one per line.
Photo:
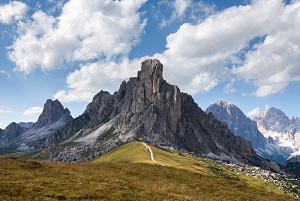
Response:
column 134, row 152
column 128, row 173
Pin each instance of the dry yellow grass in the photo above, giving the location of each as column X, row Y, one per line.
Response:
column 132, row 177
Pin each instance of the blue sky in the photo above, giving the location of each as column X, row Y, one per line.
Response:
column 244, row 52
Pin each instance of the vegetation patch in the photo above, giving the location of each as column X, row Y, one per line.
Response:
column 128, row 173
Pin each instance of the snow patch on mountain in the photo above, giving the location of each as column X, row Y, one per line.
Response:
column 274, row 124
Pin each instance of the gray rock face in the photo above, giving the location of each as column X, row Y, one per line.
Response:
column 274, row 120
column 53, row 117
column 11, row 132
column 238, row 122
column 52, row 112
column 147, row 108
column 292, row 166
column 285, row 132
column 27, row 125
column 243, row 126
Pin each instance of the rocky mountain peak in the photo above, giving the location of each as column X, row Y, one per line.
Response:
column 14, row 128
column 151, row 75
column 147, row 108
column 223, row 103
column 12, row 131
column 52, row 112
column 151, row 68
column 277, row 115
column 273, row 120
column 237, row 122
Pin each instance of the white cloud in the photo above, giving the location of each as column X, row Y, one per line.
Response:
column 1, row 125
column 197, row 57
column 186, row 9
column 253, row 113
column 214, row 45
column 228, row 88
column 274, row 63
column 14, row 10
column 5, row 73
column 5, row 110
column 83, row 84
column 181, row 6
column 34, row 111
column 98, row 29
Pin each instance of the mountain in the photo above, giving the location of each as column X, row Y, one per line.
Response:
column 238, row 122
column 53, row 117
column 27, row 125
column 11, row 132
column 147, row 108
column 243, row 126
column 292, row 165
column 285, row 132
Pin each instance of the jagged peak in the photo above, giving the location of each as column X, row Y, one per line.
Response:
column 52, row 111
column 223, row 103
column 53, row 104
column 273, row 109
column 276, row 112
column 151, row 68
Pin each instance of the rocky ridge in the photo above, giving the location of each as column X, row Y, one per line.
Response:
column 285, row 132
column 147, row 108
column 53, row 117
column 238, row 122
column 243, row 126
column 27, row 125
column 11, row 132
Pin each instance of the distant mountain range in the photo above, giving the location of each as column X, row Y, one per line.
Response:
column 145, row 108
column 272, row 134
column 27, row 125
column 28, row 136
column 284, row 131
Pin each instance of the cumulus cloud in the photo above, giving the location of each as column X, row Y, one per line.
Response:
column 83, row 84
column 98, row 29
column 34, row 111
column 253, row 113
column 198, row 56
column 209, row 48
column 14, row 10
column 257, row 112
column 275, row 62
column 215, row 45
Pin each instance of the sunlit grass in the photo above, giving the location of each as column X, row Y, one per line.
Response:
column 132, row 176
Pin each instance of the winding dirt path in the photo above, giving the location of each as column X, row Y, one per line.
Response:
column 151, row 153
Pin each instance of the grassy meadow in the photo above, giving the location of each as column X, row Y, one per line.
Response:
column 128, row 173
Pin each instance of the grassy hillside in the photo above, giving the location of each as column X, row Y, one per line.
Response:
column 129, row 174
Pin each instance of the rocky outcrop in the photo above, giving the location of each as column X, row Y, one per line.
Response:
column 285, row 132
column 292, row 166
column 238, row 122
column 243, row 126
column 27, row 125
column 53, row 117
column 53, row 111
column 11, row 132
column 147, row 108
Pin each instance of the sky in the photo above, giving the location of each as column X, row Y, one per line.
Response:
column 246, row 52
